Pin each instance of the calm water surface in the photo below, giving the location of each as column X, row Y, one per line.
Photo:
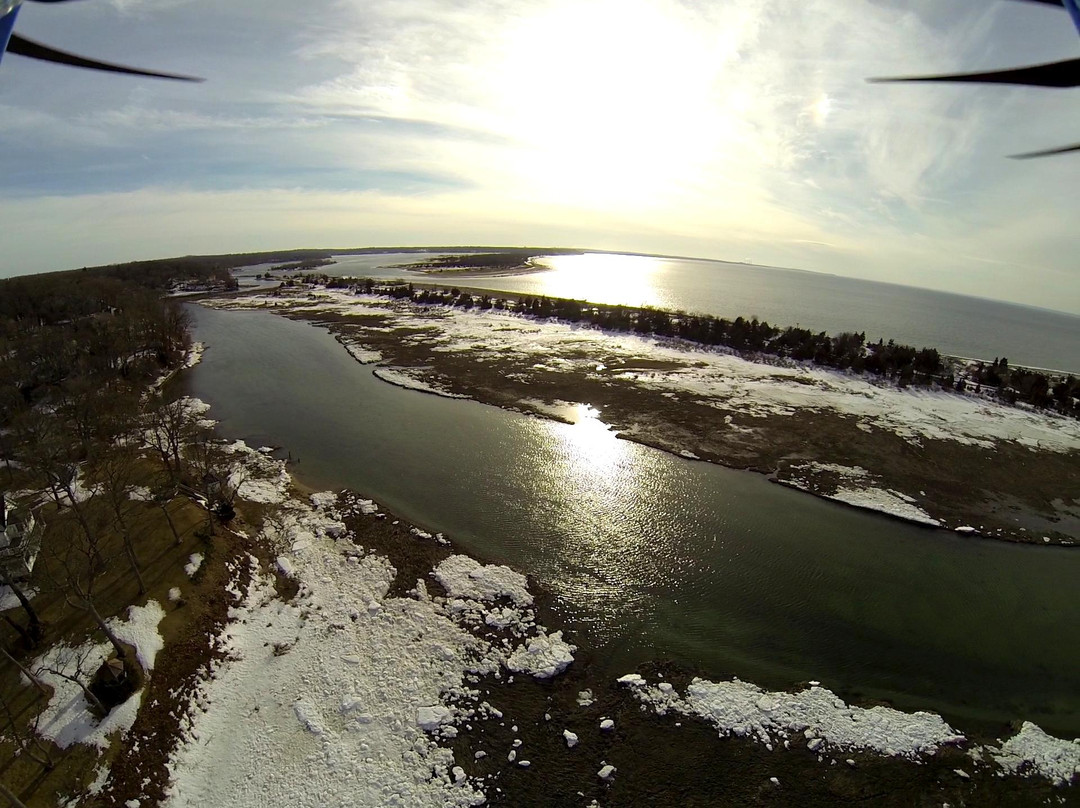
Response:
column 955, row 324
column 656, row 557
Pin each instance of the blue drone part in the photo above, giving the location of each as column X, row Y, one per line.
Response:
column 10, row 42
column 1074, row 11
column 9, row 10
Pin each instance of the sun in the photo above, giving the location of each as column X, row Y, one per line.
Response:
column 615, row 103
column 821, row 108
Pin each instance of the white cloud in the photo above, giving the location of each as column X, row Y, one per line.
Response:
column 742, row 129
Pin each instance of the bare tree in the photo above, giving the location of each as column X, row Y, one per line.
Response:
column 162, row 497
column 34, row 632
column 211, row 467
column 22, row 733
column 78, row 563
column 117, row 467
column 77, row 658
column 34, row 680
column 170, row 425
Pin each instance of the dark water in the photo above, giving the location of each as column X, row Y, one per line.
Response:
column 657, row 557
column 954, row 324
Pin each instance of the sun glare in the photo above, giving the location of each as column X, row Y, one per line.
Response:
column 591, row 446
column 617, row 103
column 821, row 109
column 625, row 279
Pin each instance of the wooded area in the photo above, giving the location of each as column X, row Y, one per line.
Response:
column 108, row 481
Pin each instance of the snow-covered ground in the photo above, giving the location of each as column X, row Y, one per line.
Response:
column 67, row 719
column 715, row 377
column 341, row 695
column 825, row 724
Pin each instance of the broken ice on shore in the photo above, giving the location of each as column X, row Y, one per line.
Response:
column 825, row 723
column 342, row 695
column 745, row 710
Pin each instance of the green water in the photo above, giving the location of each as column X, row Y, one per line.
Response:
column 655, row 557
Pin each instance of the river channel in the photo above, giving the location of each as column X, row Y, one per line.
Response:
column 653, row 557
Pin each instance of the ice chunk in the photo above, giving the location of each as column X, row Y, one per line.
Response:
column 543, row 656
column 429, row 718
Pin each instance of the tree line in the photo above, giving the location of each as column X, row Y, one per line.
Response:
column 113, row 461
column 848, row 351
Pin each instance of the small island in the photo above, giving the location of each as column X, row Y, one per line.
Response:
column 501, row 264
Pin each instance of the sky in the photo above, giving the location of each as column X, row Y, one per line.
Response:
column 741, row 130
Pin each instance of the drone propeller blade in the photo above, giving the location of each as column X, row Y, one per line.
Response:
column 35, row 50
column 1046, row 152
column 1052, row 74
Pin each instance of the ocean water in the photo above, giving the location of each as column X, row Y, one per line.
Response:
column 954, row 324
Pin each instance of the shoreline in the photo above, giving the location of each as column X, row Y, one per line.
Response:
column 817, row 452
column 542, row 708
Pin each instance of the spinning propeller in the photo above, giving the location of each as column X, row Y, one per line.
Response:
column 13, row 43
column 1051, row 74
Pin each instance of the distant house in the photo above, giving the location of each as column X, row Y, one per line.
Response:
column 20, row 540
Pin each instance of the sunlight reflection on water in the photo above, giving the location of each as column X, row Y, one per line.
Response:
column 632, row 279
column 604, row 557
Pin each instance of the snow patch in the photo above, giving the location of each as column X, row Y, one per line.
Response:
column 743, row 709
column 195, row 561
column 1031, row 751
column 884, row 501
column 365, row 356
column 67, row 719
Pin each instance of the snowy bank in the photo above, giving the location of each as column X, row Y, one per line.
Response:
column 413, row 379
column 718, row 378
column 345, row 694
column 816, row 714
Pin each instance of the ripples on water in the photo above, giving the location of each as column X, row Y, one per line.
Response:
column 659, row 557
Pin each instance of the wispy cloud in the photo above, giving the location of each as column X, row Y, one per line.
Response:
column 743, row 128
